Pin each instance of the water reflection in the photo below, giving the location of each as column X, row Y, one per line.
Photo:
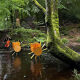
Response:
column 20, row 67
column 36, row 69
column 17, row 63
column 5, row 66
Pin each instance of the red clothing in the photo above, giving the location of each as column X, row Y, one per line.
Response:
column 7, row 43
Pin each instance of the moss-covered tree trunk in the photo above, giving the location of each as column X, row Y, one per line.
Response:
column 55, row 45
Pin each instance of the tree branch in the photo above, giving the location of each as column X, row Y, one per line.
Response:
column 40, row 6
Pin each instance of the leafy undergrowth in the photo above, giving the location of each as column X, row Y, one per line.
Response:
column 27, row 36
column 72, row 34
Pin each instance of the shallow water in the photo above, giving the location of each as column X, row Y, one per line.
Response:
column 21, row 67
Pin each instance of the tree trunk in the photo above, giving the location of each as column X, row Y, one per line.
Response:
column 55, row 45
column 17, row 18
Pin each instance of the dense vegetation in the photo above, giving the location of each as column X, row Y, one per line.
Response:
column 54, row 22
column 10, row 10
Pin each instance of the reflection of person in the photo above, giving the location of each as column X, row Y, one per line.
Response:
column 17, row 63
column 32, row 67
column 36, row 69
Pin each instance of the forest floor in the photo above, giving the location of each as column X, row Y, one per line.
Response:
column 72, row 33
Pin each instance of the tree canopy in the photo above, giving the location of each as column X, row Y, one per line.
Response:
column 10, row 8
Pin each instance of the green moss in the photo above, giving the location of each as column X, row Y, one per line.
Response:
column 67, row 52
column 65, row 41
column 76, row 75
column 36, row 2
column 27, row 35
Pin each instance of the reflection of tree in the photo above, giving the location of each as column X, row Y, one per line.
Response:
column 5, row 65
column 9, row 67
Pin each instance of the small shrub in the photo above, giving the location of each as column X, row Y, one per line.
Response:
column 78, row 40
column 76, row 75
column 65, row 41
column 71, row 36
column 27, row 35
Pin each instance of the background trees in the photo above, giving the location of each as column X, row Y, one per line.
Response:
column 69, row 10
column 55, row 45
column 13, row 12
column 10, row 10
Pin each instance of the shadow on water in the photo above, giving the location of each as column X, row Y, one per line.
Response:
column 20, row 67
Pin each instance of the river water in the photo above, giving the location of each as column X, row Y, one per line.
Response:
column 21, row 67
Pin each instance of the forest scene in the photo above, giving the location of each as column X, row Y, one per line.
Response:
column 39, row 40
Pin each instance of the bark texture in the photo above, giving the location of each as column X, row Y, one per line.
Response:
column 55, row 45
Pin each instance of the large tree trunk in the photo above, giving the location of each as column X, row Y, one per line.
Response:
column 55, row 45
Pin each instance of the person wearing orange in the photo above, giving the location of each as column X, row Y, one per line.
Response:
column 7, row 42
column 16, row 46
column 36, row 48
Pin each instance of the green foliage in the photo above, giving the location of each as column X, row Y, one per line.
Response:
column 65, row 41
column 72, row 7
column 76, row 75
column 60, row 5
column 78, row 39
column 64, row 30
column 42, row 2
column 8, row 9
column 27, row 35
column 4, row 14
column 71, row 36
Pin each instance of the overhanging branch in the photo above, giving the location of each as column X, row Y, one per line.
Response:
column 40, row 6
